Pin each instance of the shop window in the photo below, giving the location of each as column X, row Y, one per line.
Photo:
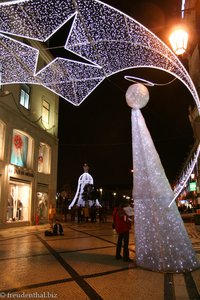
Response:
column 42, row 205
column 45, row 111
column 44, row 159
column 25, row 96
column 22, row 149
column 18, row 202
column 2, row 139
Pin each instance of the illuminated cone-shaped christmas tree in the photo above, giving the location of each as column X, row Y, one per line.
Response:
column 161, row 241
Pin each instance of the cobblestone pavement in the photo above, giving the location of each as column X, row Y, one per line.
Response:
column 81, row 265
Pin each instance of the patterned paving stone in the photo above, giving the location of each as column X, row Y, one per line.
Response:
column 81, row 265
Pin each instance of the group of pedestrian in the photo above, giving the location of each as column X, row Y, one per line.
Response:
column 84, row 214
column 122, row 221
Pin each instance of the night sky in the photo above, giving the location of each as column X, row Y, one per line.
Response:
column 99, row 130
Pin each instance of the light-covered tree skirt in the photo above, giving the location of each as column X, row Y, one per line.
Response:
column 161, row 241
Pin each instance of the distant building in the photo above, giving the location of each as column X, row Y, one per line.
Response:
column 191, row 15
column 28, row 152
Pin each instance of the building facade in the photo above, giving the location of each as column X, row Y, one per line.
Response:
column 191, row 17
column 28, row 153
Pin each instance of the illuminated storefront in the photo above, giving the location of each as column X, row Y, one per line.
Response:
column 18, row 201
column 28, row 149
column 28, row 174
column 22, row 178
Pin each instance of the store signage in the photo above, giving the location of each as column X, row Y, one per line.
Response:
column 24, row 172
column 193, row 186
column 19, row 171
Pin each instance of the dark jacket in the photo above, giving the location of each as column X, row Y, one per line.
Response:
column 57, row 229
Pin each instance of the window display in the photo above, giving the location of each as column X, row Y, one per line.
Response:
column 42, row 206
column 18, row 202
column 44, row 159
column 19, row 149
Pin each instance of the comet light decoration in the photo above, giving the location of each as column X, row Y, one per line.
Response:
column 108, row 40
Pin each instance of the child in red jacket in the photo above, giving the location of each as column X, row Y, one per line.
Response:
column 122, row 225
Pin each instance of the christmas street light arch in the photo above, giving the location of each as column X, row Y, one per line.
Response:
column 109, row 40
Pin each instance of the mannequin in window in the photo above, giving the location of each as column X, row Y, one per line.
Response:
column 19, row 210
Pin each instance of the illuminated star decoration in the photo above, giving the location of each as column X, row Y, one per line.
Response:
column 108, row 39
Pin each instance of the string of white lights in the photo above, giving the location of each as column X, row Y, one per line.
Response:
column 117, row 42
column 35, row 19
column 135, row 79
column 101, row 34
column 18, row 61
column 145, row 81
column 161, row 240
column 186, row 175
column 75, row 78
column 12, row 2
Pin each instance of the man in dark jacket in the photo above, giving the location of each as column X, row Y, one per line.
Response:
column 57, row 228
column 122, row 226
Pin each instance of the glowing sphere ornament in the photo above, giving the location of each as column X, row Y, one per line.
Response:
column 137, row 96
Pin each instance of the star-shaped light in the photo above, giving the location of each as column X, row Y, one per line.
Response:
column 18, row 61
column 104, row 36
column 71, row 78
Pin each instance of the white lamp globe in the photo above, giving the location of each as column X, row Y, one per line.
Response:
column 137, row 96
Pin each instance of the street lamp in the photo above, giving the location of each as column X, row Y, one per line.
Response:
column 179, row 40
column 179, row 37
column 101, row 191
column 114, row 194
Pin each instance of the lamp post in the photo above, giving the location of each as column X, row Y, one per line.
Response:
column 179, row 36
column 185, row 28
column 101, row 191
column 114, row 194
column 179, row 40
